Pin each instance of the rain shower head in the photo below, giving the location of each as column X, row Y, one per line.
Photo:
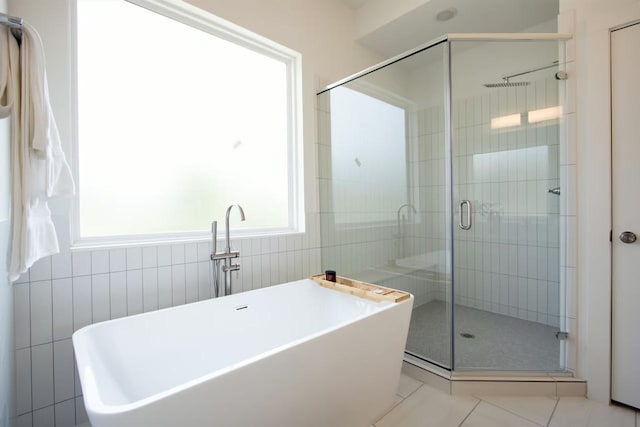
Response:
column 506, row 83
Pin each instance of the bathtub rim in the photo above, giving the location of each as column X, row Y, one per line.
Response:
column 91, row 395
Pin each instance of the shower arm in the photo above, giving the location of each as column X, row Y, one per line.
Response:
column 554, row 64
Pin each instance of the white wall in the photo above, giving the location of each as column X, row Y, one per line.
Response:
column 67, row 291
column 6, row 296
column 373, row 15
column 591, row 20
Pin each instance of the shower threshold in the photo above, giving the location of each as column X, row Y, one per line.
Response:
column 511, row 383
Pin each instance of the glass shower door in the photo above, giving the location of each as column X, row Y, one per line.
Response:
column 384, row 206
column 428, row 252
column 505, row 137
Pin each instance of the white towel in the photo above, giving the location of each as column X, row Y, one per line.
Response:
column 39, row 167
column 9, row 72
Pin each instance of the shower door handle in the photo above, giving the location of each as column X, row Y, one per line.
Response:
column 466, row 226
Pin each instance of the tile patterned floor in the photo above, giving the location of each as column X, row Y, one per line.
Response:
column 419, row 405
column 500, row 342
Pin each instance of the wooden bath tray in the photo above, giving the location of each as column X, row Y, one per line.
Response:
column 362, row 289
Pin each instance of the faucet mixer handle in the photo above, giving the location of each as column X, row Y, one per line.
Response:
column 232, row 267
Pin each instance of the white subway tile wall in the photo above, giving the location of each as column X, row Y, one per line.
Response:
column 509, row 261
column 363, row 249
column 514, row 260
column 69, row 291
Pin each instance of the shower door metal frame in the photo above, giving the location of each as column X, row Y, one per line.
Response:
column 448, row 149
column 451, row 37
column 447, row 39
column 448, row 87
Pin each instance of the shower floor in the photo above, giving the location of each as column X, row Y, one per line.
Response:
column 500, row 342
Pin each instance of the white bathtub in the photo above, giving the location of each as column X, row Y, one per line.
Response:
column 297, row 355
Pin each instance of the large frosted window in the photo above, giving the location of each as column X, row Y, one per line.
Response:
column 368, row 157
column 175, row 124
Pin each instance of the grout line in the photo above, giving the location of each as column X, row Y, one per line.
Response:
column 513, row 412
column 53, row 351
column 171, row 279
column 110, row 301
column 402, row 400
column 470, row 412
column 142, row 310
column 30, row 350
column 553, row 412
column 419, row 387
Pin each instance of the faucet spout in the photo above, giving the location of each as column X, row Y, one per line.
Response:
column 405, row 205
column 227, row 240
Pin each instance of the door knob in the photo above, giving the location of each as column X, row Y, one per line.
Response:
column 628, row 237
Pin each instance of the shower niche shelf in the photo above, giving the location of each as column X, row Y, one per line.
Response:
column 362, row 289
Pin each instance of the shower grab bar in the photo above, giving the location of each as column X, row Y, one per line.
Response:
column 469, row 207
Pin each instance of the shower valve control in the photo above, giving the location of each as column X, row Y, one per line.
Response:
column 232, row 267
column 628, row 237
column 562, row 75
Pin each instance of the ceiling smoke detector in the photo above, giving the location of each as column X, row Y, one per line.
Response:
column 447, row 14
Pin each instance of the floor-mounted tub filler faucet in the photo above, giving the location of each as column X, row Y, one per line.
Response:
column 402, row 222
column 226, row 256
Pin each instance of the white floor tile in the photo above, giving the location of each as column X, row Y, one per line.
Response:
column 533, row 408
column 576, row 389
column 25, row 420
column 44, row 417
column 407, row 385
column 429, row 407
column 487, row 415
column 578, row 411
column 504, row 388
column 426, row 377
column 65, row 413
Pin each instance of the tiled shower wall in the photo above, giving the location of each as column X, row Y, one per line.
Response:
column 362, row 250
column 347, row 248
column 509, row 261
column 429, row 235
column 519, row 257
column 63, row 293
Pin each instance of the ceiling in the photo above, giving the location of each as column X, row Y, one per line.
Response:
column 354, row 4
column 417, row 25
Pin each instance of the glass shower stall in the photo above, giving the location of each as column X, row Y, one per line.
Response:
column 439, row 175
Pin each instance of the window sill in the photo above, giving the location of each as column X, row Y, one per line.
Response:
column 86, row 245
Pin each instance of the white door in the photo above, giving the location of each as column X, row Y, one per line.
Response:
column 625, row 105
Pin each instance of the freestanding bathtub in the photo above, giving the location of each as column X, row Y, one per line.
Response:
column 296, row 354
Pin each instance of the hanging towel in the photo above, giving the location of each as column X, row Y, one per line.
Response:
column 9, row 72
column 39, row 168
